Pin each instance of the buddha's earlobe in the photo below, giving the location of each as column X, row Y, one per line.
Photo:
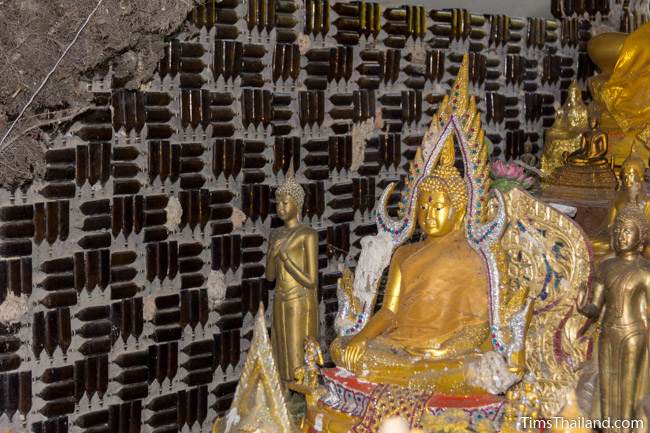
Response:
column 460, row 217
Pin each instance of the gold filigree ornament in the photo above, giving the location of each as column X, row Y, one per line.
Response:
column 549, row 262
column 307, row 374
column 259, row 405
column 350, row 306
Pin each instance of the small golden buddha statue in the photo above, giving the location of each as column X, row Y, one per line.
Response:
column 632, row 190
column 564, row 137
column 307, row 375
column 622, row 290
column 424, row 281
column 593, row 147
column 292, row 261
column 586, row 174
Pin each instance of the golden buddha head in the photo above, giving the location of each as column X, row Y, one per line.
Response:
column 442, row 202
column 289, row 198
column 630, row 230
column 632, row 170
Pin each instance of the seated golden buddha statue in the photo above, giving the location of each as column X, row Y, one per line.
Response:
column 586, row 175
column 439, row 277
column 565, row 136
column 593, row 147
column 486, row 296
column 620, row 90
column 632, row 189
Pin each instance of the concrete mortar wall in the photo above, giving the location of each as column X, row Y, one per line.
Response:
column 130, row 273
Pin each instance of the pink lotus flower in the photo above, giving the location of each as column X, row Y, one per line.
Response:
column 510, row 173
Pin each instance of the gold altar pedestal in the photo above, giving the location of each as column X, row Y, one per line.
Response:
column 349, row 403
column 581, row 186
column 320, row 418
column 591, row 219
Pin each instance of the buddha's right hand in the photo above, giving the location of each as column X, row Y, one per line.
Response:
column 274, row 248
column 355, row 350
column 585, row 307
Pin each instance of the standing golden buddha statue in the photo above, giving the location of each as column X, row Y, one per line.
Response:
column 622, row 289
column 564, row 137
column 292, row 261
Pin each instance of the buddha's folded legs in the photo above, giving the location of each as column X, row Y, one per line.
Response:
column 384, row 362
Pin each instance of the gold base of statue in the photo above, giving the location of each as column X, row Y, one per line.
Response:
column 320, row 418
column 350, row 404
column 581, row 185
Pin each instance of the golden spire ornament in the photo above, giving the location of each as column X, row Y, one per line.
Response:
column 259, row 405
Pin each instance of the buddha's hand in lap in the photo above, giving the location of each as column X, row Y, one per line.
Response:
column 355, row 350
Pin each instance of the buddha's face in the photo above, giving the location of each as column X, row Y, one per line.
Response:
column 286, row 207
column 435, row 213
column 626, row 237
column 631, row 179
